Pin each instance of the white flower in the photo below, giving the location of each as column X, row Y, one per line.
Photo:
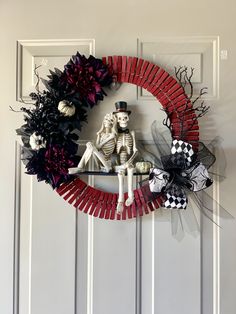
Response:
column 66, row 108
column 37, row 141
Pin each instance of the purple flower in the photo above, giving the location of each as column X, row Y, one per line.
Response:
column 57, row 160
column 48, row 133
column 82, row 78
column 51, row 164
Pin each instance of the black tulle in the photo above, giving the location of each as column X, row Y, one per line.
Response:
column 181, row 176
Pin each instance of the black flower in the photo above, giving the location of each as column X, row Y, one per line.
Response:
column 51, row 164
column 49, row 133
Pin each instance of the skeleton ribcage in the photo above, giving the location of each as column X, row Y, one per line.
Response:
column 124, row 146
column 109, row 147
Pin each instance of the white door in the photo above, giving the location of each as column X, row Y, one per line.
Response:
column 57, row 260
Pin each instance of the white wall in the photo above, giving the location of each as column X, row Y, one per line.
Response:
column 116, row 25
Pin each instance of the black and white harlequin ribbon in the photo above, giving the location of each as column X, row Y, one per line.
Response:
column 176, row 197
column 174, row 180
column 182, row 148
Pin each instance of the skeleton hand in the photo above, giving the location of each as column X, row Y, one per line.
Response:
column 127, row 165
column 120, row 168
column 90, row 145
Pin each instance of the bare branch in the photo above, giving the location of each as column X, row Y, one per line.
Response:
column 188, row 79
column 200, row 111
column 202, row 92
column 180, row 75
column 37, row 77
column 167, row 121
column 21, row 100
column 11, row 108
column 190, row 106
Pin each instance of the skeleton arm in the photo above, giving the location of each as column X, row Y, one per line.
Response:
column 99, row 144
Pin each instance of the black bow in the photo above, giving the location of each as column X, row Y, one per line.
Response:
column 182, row 170
column 126, row 131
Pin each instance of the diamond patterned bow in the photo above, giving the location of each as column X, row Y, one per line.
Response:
column 182, row 171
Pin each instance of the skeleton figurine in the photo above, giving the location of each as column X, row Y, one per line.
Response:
column 127, row 151
column 105, row 146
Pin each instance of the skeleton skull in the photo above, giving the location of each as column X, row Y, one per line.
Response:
column 109, row 120
column 122, row 119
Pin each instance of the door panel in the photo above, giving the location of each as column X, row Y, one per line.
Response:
column 79, row 263
column 68, row 262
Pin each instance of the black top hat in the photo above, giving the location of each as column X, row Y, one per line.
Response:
column 121, row 106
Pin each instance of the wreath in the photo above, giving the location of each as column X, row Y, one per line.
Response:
column 56, row 116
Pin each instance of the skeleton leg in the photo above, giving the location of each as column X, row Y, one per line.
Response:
column 120, row 204
column 90, row 150
column 84, row 159
column 130, row 199
column 106, row 165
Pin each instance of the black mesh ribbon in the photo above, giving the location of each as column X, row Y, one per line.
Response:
column 180, row 177
column 182, row 170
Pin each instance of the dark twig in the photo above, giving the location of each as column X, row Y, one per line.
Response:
column 36, row 73
column 185, row 80
column 167, row 121
column 188, row 78
column 201, row 93
column 200, row 111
